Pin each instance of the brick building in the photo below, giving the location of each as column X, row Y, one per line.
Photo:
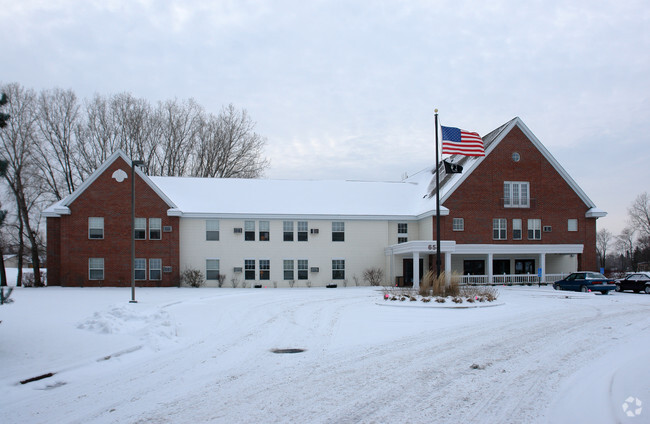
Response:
column 511, row 215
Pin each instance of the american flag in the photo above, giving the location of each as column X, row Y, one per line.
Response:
column 461, row 142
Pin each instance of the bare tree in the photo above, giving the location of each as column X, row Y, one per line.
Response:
column 603, row 240
column 229, row 147
column 639, row 213
column 625, row 244
column 17, row 145
column 97, row 135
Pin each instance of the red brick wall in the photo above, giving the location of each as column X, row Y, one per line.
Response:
column 478, row 201
column 109, row 199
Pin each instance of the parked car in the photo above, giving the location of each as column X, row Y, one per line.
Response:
column 586, row 281
column 636, row 281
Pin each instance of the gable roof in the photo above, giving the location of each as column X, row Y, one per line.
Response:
column 451, row 182
column 61, row 207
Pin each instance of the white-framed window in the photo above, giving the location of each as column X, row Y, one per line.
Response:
column 402, row 232
column 516, row 194
column 96, row 228
column 534, row 229
column 288, row 269
column 155, row 228
column 303, row 230
column 338, row 231
column 155, row 269
column 140, row 269
column 212, row 229
column 265, row 231
column 303, row 269
column 95, row 268
column 458, row 224
column 265, row 269
column 249, row 230
column 516, row 229
column 212, row 269
column 499, row 228
column 572, row 225
column 249, row 269
column 140, row 229
column 287, row 228
column 338, row 269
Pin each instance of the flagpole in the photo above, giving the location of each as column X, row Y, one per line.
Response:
column 437, row 199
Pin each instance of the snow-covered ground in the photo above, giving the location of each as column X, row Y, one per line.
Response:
column 205, row 355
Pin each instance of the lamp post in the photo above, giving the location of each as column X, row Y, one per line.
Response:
column 134, row 163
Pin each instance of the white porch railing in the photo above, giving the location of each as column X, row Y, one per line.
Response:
column 510, row 279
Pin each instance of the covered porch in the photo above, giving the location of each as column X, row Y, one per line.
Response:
column 485, row 263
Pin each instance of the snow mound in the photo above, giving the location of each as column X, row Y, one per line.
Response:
column 153, row 326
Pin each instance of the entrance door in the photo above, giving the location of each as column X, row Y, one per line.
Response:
column 525, row 266
column 407, row 265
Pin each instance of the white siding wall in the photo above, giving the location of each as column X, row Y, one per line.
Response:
column 363, row 248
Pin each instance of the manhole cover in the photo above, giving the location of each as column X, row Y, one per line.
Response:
column 292, row 350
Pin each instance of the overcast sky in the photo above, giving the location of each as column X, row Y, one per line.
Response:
column 346, row 90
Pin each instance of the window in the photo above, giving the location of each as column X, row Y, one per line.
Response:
column 264, row 231
column 287, row 227
column 140, row 268
column 96, row 228
column 155, row 227
column 249, row 269
column 265, row 269
column 499, row 230
column 534, row 229
column 402, row 240
column 303, row 269
column 155, row 269
column 96, row 268
column 338, row 231
column 338, row 269
column 212, row 229
column 140, row 229
column 302, row 230
column 516, row 229
column 572, row 225
column 288, row 269
column 212, row 269
column 249, row 230
column 515, row 194
column 458, row 224
column 402, row 232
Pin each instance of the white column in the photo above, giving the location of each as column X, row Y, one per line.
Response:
column 447, row 269
column 392, row 268
column 490, row 261
column 416, row 270
column 542, row 264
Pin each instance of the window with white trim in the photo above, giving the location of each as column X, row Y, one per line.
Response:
column 572, row 225
column 212, row 229
column 402, row 232
column 338, row 269
column 212, row 269
column 287, row 266
column 140, row 229
column 249, row 230
column 249, row 269
column 155, row 228
column 95, row 268
column 265, row 269
column 303, row 230
column 140, row 269
column 96, row 228
column 499, row 228
column 516, row 194
column 303, row 269
column 338, row 231
column 534, row 229
column 155, row 269
column 516, row 229
column 265, row 231
column 458, row 224
column 287, row 228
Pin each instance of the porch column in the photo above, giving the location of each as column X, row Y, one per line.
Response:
column 490, row 267
column 447, row 269
column 392, row 268
column 416, row 270
column 542, row 264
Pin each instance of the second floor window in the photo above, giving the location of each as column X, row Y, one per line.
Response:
column 212, row 229
column 95, row 228
column 338, row 231
column 155, row 228
column 499, row 230
column 288, row 231
column 516, row 229
column 458, row 224
column 516, row 194
column 140, row 229
column 264, row 231
column 249, row 230
column 534, row 229
column 302, row 230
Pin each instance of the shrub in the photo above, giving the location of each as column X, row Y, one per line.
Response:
column 426, row 284
column 220, row 279
column 30, row 281
column 234, row 281
column 373, row 276
column 192, row 277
